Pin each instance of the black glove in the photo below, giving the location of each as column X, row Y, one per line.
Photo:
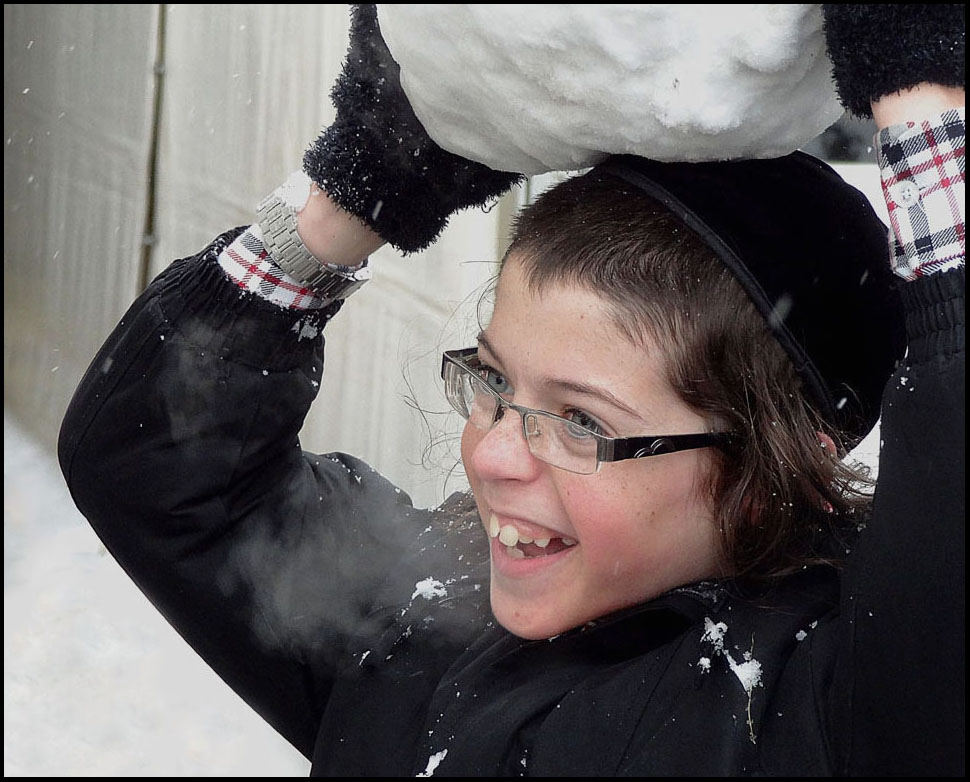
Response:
column 877, row 50
column 377, row 162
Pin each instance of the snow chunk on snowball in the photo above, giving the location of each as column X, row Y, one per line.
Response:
column 532, row 88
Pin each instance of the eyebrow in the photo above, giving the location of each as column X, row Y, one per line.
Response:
column 585, row 389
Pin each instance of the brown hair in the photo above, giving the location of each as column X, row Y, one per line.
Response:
column 777, row 492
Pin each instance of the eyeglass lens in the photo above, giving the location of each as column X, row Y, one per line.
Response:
column 550, row 438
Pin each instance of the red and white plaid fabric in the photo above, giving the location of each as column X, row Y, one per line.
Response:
column 923, row 173
column 247, row 264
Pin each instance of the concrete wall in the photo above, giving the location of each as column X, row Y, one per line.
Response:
column 233, row 94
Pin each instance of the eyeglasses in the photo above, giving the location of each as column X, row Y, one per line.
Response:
column 552, row 438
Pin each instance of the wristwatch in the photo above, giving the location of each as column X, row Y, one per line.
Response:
column 277, row 219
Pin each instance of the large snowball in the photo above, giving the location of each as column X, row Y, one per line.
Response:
column 535, row 88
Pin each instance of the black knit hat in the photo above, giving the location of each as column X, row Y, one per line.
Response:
column 812, row 255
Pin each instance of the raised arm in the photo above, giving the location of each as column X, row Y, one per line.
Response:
column 181, row 443
column 899, row 703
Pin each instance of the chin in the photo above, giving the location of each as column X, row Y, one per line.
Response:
column 529, row 630
column 529, row 625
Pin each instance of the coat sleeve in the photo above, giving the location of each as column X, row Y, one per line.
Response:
column 181, row 448
column 904, row 700
column 900, row 703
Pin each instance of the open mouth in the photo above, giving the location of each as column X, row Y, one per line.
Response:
column 520, row 546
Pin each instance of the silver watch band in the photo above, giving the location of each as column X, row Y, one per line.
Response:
column 278, row 223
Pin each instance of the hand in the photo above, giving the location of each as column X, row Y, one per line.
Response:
column 377, row 162
column 880, row 49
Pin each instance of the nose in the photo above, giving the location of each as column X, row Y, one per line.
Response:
column 502, row 452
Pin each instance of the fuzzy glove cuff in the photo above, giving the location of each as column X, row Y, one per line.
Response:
column 377, row 162
column 880, row 49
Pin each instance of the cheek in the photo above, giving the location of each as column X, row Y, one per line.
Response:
column 636, row 507
column 618, row 488
column 602, row 512
column 471, row 436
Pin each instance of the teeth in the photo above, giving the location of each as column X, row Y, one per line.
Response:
column 514, row 552
column 511, row 537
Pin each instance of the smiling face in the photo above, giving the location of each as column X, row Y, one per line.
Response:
column 618, row 537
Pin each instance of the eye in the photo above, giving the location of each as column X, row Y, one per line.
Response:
column 584, row 420
column 494, row 380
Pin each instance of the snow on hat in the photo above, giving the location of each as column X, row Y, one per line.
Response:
column 813, row 257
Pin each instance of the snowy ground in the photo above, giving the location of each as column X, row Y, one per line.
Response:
column 95, row 682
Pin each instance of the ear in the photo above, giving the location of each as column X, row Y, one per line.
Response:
column 828, row 443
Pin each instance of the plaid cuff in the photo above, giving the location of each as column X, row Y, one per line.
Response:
column 924, row 181
column 247, row 264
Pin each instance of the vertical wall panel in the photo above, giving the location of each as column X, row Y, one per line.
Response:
column 246, row 88
column 77, row 100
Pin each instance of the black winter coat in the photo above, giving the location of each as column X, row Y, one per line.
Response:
column 359, row 627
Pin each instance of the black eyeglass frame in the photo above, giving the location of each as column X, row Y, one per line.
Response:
column 608, row 449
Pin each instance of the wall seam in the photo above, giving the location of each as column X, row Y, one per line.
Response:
column 148, row 240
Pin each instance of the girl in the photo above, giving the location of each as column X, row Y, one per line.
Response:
column 662, row 568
